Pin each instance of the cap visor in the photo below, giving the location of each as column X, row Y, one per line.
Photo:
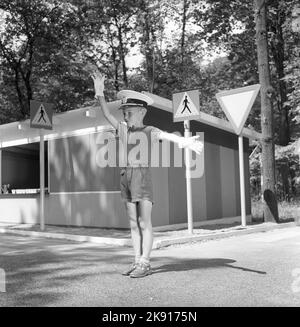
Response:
column 132, row 105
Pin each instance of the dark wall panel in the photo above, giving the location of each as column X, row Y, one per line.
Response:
column 213, row 181
column 74, row 168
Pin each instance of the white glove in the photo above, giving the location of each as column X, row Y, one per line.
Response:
column 98, row 79
column 191, row 143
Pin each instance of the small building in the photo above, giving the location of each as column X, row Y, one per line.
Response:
column 81, row 193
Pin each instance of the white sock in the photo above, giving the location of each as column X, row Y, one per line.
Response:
column 145, row 260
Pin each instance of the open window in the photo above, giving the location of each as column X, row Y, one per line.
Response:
column 21, row 169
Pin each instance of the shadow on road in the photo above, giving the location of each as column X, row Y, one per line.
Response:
column 42, row 272
column 39, row 272
column 186, row 265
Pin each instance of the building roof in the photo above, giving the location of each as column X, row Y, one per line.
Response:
column 207, row 119
column 90, row 120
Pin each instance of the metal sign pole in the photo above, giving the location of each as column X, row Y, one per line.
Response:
column 188, row 179
column 186, row 106
column 42, row 181
column 0, row 171
column 242, row 180
column 41, row 114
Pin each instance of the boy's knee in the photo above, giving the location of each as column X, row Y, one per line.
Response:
column 146, row 224
column 133, row 223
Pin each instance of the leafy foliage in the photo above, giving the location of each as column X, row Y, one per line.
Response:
column 183, row 44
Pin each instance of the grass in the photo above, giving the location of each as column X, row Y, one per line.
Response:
column 288, row 211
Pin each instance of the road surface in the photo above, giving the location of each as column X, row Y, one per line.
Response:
column 261, row 269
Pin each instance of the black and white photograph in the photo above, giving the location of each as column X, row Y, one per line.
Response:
column 149, row 158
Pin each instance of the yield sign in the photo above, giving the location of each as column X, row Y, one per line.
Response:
column 237, row 104
column 186, row 105
column 41, row 114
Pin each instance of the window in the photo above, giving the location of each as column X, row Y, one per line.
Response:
column 21, row 168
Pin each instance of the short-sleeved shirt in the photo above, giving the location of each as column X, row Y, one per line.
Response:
column 136, row 144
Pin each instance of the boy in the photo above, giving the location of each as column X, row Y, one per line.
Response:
column 136, row 185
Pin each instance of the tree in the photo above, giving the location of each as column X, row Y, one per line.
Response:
column 120, row 29
column 268, row 160
column 292, row 68
column 36, row 48
column 150, row 24
column 230, row 25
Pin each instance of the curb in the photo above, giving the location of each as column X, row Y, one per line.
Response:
column 70, row 237
column 219, row 235
column 157, row 244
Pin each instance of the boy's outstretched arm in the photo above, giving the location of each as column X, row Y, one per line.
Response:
column 190, row 143
column 98, row 79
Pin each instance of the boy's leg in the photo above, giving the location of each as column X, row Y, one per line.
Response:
column 136, row 235
column 144, row 268
column 145, row 211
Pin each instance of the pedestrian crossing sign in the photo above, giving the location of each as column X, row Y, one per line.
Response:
column 186, row 105
column 41, row 114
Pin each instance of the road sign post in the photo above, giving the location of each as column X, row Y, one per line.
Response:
column 0, row 171
column 237, row 104
column 186, row 107
column 42, row 181
column 188, row 180
column 41, row 117
column 242, row 180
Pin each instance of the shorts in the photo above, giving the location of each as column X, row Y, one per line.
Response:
column 136, row 184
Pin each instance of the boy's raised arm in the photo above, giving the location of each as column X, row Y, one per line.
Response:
column 98, row 79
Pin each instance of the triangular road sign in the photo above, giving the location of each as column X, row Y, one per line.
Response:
column 41, row 114
column 237, row 104
column 41, row 117
column 186, row 105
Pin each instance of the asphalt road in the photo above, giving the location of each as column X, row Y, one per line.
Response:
column 261, row 269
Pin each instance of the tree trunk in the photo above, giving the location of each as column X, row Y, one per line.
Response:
column 148, row 41
column 27, row 83
column 185, row 6
column 284, row 172
column 122, row 56
column 115, row 61
column 148, row 52
column 153, row 72
column 270, row 208
column 277, row 49
column 293, row 184
column 20, row 94
column 116, row 70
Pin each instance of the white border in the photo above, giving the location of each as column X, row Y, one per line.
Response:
column 255, row 88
